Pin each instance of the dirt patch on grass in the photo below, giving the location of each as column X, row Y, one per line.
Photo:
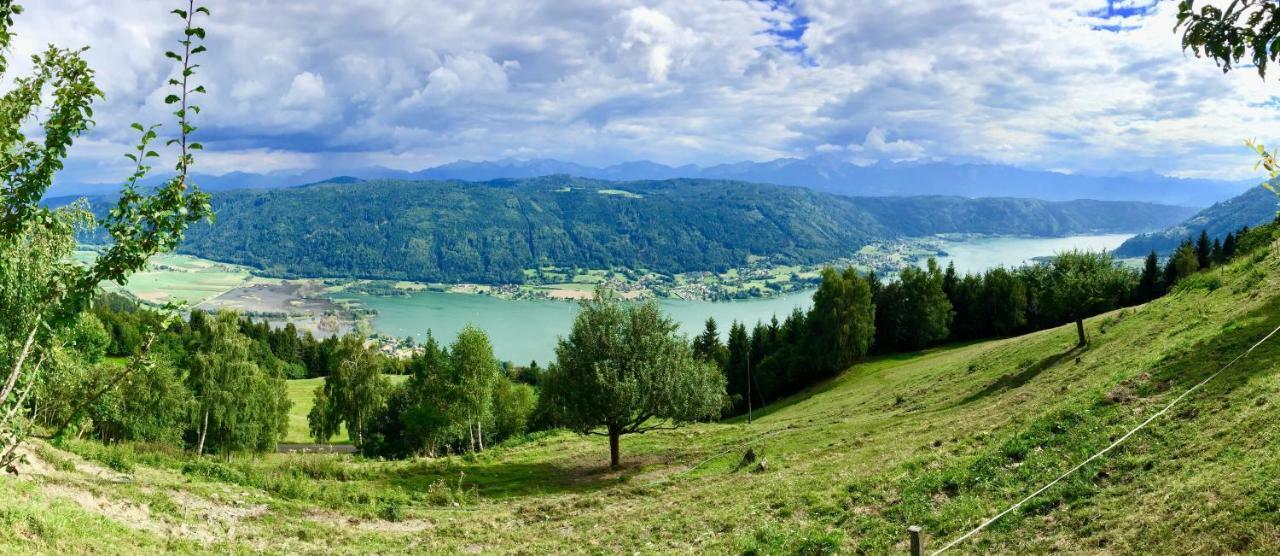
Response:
column 342, row 521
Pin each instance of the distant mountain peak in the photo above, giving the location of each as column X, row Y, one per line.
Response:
column 829, row 172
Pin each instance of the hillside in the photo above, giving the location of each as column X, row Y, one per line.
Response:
column 490, row 232
column 1256, row 206
column 941, row 439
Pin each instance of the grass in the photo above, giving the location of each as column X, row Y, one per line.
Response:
column 942, row 439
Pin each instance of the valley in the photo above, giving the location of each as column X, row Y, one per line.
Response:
column 942, row 438
column 393, row 311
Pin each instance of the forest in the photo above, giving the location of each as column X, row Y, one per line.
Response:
column 490, row 232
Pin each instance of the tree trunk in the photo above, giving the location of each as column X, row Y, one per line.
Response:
column 615, row 457
column 204, row 429
column 480, row 435
column 471, row 431
column 1080, row 331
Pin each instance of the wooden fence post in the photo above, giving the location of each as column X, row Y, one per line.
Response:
column 917, row 546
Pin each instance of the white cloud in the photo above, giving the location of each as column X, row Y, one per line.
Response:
column 411, row 83
column 468, row 73
column 306, row 89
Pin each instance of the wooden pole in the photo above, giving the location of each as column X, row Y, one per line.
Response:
column 917, row 546
column 748, row 387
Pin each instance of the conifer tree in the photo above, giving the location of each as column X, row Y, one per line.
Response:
column 1150, row 285
column 1204, row 250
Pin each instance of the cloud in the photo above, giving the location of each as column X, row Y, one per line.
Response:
column 306, row 89
column 1081, row 85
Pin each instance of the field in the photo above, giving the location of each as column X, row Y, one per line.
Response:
column 181, row 278
column 941, row 439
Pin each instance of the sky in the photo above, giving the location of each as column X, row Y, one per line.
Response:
column 1084, row 86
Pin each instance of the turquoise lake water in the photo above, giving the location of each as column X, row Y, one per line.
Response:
column 523, row 331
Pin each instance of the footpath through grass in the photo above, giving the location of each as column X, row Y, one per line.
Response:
column 942, row 439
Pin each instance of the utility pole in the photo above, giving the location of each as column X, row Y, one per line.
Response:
column 748, row 387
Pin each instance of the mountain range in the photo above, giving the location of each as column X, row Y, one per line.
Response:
column 1253, row 207
column 820, row 173
column 491, row 232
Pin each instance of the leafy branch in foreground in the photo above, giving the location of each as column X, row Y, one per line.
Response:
column 1267, row 162
column 41, row 289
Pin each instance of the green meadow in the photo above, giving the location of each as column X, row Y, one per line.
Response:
column 941, row 439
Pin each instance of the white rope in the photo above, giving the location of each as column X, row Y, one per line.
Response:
column 984, row 524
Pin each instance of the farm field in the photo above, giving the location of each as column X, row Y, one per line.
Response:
column 181, row 278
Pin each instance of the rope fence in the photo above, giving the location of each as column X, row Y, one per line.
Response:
column 917, row 545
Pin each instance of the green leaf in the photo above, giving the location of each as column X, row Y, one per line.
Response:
column 171, row 99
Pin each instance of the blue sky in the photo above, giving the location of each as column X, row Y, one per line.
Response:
column 1067, row 85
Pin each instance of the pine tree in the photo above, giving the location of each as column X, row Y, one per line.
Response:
column 1216, row 253
column 707, row 346
column 1204, row 250
column 1184, row 262
column 1229, row 247
column 1150, row 285
column 735, row 367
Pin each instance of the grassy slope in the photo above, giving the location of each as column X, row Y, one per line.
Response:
column 941, row 439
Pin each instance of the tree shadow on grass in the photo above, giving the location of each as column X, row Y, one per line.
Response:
column 1191, row 365
column 1015, row 380
column 499, row 479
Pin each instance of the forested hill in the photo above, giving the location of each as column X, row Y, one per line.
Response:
column 454, row 231
column 921, row 216
column 1256, row 206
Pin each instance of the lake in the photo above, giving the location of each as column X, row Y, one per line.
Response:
column 977, row 255
column 525, row 330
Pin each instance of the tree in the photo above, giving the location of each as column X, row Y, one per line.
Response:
column 350, row 394
column 625, row 369
column 477, row 372
column 1150, row 285
column 238, row 405
column 1184, row 263
column 707, row 346
column 1229, row 247
column 1084, row 283
column 1246, row 28
column 1204, row 250
column 1004, row 299
column 926, row 311
column 736, row 365
column 41, row 288
column 513, row 406
column 433, row 417
column 841, row 324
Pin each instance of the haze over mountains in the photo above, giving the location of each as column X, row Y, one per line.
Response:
column 820, row 173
